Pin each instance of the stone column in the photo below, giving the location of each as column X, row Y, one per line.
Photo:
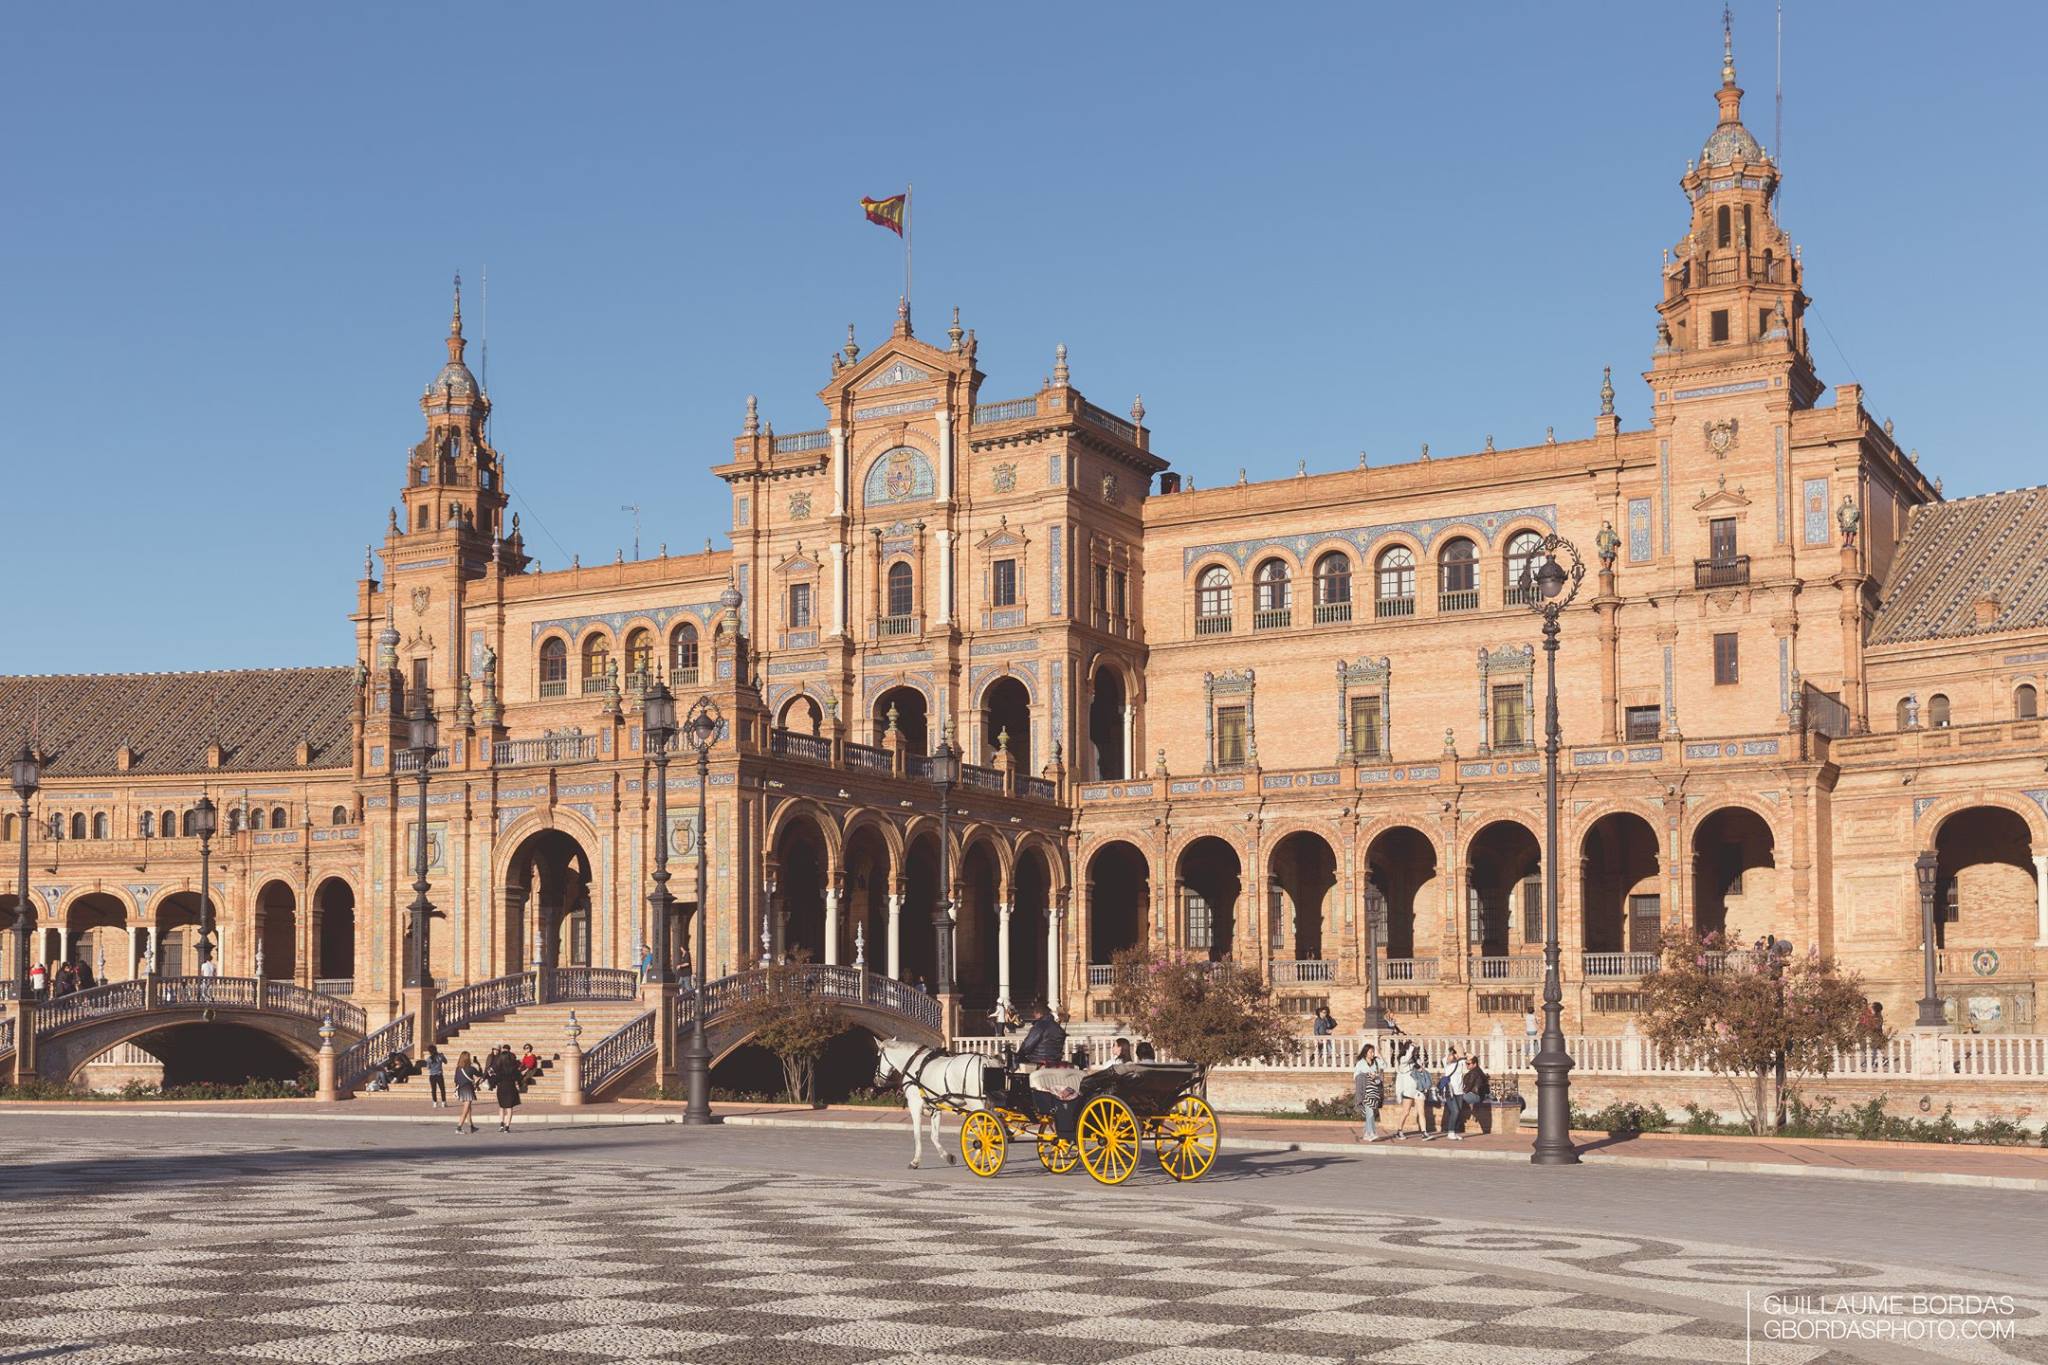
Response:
column 944, row 418
column 1003, row 912
column 1055, row 998
column 840, row 479
column 2041, row 900
column 831, row 926
column 63, row 943
column 326, row 1091
column 572, row 1063
column 1130, row 763
column 839, row 588
column 895, row 956
column 945, row 612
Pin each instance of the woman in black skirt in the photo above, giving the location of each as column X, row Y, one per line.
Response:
column 505, row 1081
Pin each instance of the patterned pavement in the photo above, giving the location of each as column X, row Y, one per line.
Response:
column 573, row 1251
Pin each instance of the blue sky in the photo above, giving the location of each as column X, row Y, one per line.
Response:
column 1299, row 231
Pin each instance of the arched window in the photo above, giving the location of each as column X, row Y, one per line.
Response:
column 78, row 825
column 639, row 658
column 1333, row 587
column 1272, row 595
column 99, row 825
column 167, row 825
column 2026, row 702
column 1524, row 550
column 7, row 830
column 900, row 596
column 554, row 667
column 56, row 824
column 1722, row 233
column 1394, row 582
column 597, row 662
column 145, row 824
column 1458, row 576
column 235, row 819
column 1212, row 601
column 682, row 653
column 185, row 823
column 1937, row 710
column 338, row 816
column 278, row 819
column 1905, row 713
column 424, row 516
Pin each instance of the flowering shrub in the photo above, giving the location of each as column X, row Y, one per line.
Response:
column 1200, row 1011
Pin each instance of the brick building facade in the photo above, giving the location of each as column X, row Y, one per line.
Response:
column 1230, row 720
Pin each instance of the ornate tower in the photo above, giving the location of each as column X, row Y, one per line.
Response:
column 1733, row 302
column 453, row 480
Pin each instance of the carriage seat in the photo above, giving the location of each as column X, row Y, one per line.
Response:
column 1061, row 1082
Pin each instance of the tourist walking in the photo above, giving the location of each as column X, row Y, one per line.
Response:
column 505, row 1082
column 38, row 980
column 1411, row 1083
column 467, row 1078
column 1368, row 1088
column 1325, row 1022
column 434, row 1064
column 1451, row 1088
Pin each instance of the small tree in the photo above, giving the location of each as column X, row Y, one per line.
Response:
column 1204, row 1012
column 794, row 1023
column 1755, row 1015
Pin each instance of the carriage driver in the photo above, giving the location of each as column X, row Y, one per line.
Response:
column 1055, row 1086
column 1045, row 1042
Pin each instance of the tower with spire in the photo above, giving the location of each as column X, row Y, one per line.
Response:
column 454, row 482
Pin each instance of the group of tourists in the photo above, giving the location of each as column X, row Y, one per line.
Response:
column 58, row 980
column 1452, row 1092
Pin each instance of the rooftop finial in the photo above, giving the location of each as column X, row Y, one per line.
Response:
column 753, row 426
column 852, row 347
column 1727, row 46
column 455, row 324
column 902, row 315
column 1607, row 391
column 1059, row 363
column 953, row 333
column 1138, row 409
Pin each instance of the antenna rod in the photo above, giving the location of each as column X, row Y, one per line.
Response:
column 634, row 508
column 1778, row 133
column 486, row 357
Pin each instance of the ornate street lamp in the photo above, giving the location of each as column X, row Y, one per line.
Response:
column 1555, row 587
column 701, row 730
column 423, row 742
column 27, row 776
column 1375, row 937
column 205, row 820
column 945, row 771
column 1927, row 869
column 658, row 727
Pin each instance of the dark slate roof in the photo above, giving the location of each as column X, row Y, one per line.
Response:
column 80, row 720
column 1956, row 554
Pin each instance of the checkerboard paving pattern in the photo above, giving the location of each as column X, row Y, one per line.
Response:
column 247, row 1258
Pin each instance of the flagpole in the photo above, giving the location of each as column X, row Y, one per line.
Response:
column 907, row 187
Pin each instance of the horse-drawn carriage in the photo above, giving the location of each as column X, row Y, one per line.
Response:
column 1098, row 1120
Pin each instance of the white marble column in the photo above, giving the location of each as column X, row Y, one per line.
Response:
column 895, row 937
column 63, row 943
column 944, row 418
column 1003, row 952
column 1130, row 763
column 2041, row 899
column 838, row 588
column 1054, row 998
column 831, row 926
column 945, row 577
column 840, row 478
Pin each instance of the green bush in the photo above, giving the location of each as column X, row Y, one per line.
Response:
column 1342, row 1105
column 1625, row 1117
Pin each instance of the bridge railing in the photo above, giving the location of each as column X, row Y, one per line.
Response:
column 122, row 997
column 359, row 1059
column 592, row 983
column 286, row 998
column 188, row 992
column 850, row 985
column 482, row 1000
column 618, row 1053
column 6, row 1035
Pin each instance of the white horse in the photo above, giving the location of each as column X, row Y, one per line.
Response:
column 933, row 1080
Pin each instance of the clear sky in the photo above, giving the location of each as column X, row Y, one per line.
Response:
column 1299, row 231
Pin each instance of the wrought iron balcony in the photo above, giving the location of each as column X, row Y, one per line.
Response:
column 1720, row 573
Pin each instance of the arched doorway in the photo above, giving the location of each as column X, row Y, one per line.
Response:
column 10, row 906
column 177, row 935
column 1984, row 889
column 1210, row 880
column 1620, row 908
column 1735, row 877
column 99, row 935
column 277, row 933
column 1006, row 721
column 1106, row 703
column 1031, row 882
column 1301, row 873
column 801, row 864
column 801, row 715
column 1401, row 868
column 1119, row 900
column 334, row 936
column 910, row 718
column 977, row 934
column 547, row 904
column 864, row 899
column 915, row 945
column 1503, row 890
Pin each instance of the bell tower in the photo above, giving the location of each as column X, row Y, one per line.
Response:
column 1733, row 300
column 454, row 481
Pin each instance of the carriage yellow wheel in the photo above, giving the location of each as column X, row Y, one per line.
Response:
column 982, row 1143
column 1185, row 1139
column 1109, row 1140
column 1057, row 1156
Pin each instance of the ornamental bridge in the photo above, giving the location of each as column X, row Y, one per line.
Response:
column 70, row 1032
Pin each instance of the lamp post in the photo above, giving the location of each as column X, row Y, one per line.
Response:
column 1927, row 869
column 27, row 775
column 1555, row 587
column 702, row 732
column 945, row 771
column 424, row 741
column 1375, row 933
column 658, row 728
column 205, row 820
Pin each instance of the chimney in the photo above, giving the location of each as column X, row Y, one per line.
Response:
column 124, row 758
column 1987, row 612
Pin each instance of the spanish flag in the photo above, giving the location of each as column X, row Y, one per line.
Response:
column 888, row 212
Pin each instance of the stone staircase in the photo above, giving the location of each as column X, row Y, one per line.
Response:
column 544, row 1026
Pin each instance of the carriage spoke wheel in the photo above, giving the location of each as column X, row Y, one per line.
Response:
column 1109, row 1140
column 1057, row 1156
column 1185, row 1140
column 982, row 1143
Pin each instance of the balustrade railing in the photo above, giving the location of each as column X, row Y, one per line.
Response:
column 514, row 753
column 6, row 1035
column 1608, row 966
column 1393, row 606
column 974, row 775
column 1408, row 969
column 481, row 1000
column 334, row 985
column 1273, row 618
column 868, row 757
column 1513, row 968
column 1721, row 573
column 1213, row 624
column 213, row 992
column 618, row 1053
column 404, row 762
column 1108, row 421
column 1458, row 599
column 592, row 983
column 1992, row 1055
column 1328, row 613
column 892, row 627
column 286, row 998
column 850, row 985
column 1007, row 411
column 1040, row 789
column 795, row 442
column 122, row 997
column 1303, row 971
column 355, row 1062
column 791, row 744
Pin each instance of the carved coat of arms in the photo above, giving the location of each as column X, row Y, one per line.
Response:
column 1109, row 486
column 900, row 475
column 799, row 506
column 1004, row 477
column 420, row 598
column 1721, row 437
